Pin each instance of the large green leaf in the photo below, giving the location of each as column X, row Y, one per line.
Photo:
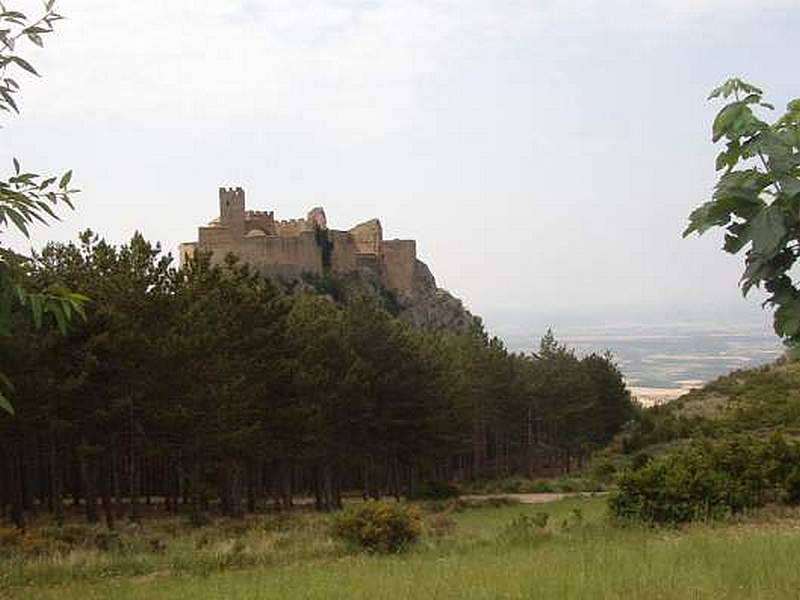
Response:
column 736, row 120
column 790, row 186
column 747, row 184
column 768, row 231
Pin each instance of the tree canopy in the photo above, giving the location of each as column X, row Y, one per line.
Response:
column 206, row 383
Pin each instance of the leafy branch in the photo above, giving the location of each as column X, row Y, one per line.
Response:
column 14, row 26
column 757, row 198
column 27, row 198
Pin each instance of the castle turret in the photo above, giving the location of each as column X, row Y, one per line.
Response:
column 231, row 209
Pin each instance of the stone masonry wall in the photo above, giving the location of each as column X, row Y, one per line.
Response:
column 398, row 262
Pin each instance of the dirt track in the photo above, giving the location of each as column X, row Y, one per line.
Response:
column 529, row 498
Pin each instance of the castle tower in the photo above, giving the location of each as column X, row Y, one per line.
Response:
column 231, row 209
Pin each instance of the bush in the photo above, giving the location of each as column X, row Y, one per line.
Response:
column 542, row 486
column 437, row 490
column 604, row 471
column 792, row 486
column 640, row 460
column 708, row 481
column 379, row 526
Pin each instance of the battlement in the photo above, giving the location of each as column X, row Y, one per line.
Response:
column 231, row 196
column 260, row 213
column 231, row 190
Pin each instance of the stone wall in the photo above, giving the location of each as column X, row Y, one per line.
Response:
column 343, row 256
column 292, row 227
column 398, row 262
column 367, row 237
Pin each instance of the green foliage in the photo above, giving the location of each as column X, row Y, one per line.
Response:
column 708, row 480
column 435, row 489
column 27, row 198
column 323, row 239
column 212, row 380
column 379, row 526
column 757, row 197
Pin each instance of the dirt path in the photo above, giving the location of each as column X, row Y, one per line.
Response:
column 541, row 498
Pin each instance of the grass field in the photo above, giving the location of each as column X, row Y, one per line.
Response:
column 469, row 554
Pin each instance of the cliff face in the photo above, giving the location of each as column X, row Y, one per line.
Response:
column 422, row 304
column 426, row 305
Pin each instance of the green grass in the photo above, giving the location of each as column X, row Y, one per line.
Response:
column 588, row 559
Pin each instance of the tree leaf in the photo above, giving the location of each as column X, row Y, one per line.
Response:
column 24, row 64
column 768, row 230
column 65, row 179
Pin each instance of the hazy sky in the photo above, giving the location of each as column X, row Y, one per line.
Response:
column 543, row 153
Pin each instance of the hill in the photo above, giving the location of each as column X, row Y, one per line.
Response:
column 751, row 401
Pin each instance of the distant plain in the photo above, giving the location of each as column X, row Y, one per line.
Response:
column 661, row 361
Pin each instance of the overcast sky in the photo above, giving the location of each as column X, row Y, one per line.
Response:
column 543, row 153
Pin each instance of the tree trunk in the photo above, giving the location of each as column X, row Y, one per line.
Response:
column 105, row 491
column 56, row 482
column 15, row 477
column 134, row 490
column 87, row 483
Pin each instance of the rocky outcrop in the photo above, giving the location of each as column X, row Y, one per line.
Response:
column 426, row 305
column 423, row 304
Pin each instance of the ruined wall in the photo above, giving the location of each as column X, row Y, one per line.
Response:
column 292, row 227
column 343, row 256
column 398, row 261
column 273, row 255
column 316, row 218
column 367, row 237
column 260, row 220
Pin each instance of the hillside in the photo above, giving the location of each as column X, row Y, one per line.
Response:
column 754, row 401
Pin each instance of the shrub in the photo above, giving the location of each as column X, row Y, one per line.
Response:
column 379, row 526
column 604, row 471
column 708, row 481
column 542, row 486
column 437, row 490
column 640, row 460
column 512, row 485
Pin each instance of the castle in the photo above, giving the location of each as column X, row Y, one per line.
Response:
column 289, row 249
